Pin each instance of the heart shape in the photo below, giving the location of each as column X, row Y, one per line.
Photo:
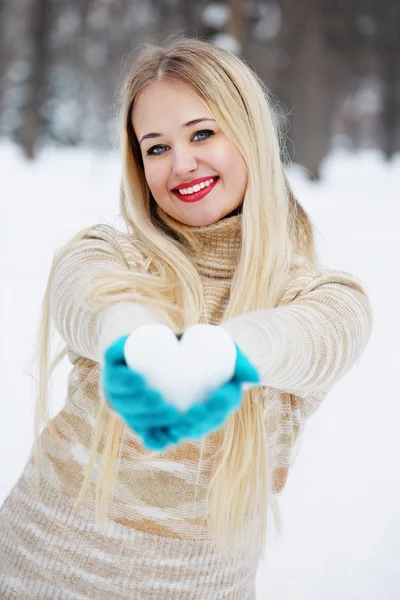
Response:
column 183, row 371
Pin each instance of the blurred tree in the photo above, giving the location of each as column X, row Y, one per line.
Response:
column 31, row 123
column 307, row 83
column 319, row 55
column 387, row 46
column 62, row 60
column 236, row 21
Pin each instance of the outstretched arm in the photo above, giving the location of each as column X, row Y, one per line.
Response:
column 89, row 333
column 308, row 345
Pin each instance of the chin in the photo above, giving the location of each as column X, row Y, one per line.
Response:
column 201, row 219
column 197, row 222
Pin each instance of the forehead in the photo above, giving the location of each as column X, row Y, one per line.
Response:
column 161, row 103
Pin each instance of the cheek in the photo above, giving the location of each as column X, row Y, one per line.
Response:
column 229, row 161
column 154, row 178
column 235, row 168
column 242, row 172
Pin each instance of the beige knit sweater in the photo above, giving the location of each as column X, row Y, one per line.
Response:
column 157, row 546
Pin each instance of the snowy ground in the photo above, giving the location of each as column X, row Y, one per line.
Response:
column 341, row 505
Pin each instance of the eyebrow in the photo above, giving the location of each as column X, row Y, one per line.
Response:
column 188, row 124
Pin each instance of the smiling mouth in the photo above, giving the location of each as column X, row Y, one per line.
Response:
column 195, row 196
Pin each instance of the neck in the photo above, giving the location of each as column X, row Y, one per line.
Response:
column 213, row 248
column 236, row 211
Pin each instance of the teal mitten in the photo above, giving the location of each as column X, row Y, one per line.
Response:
column 128, row 394
column 157, row 422
column 204, row 417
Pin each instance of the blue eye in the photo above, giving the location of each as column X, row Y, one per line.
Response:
column 208, row 132
column 151, row 150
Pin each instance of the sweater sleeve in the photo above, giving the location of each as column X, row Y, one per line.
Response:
column 306, row 346
column 85, row 332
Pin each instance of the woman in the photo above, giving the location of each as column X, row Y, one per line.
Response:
column 109, row 518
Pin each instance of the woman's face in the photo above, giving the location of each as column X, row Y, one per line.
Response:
column 178, row 150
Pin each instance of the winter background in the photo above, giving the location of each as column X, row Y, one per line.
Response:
column 341, row 505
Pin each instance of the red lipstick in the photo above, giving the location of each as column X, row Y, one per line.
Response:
column 193, row 182
column 196, row 196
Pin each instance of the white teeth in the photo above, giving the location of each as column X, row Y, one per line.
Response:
column 197, row 187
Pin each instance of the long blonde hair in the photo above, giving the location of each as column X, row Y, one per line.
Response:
column 274, row 228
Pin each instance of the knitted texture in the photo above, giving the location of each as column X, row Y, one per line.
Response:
column 157, row 545
column 158, row 423
column 49, row 551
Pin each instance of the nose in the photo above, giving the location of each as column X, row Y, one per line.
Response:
column 183, row 162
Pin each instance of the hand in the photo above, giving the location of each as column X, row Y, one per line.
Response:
column 158, row 423
column 128, row 394
column 204, row 417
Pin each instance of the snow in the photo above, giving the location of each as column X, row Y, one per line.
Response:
column 216, row 15
column 340, row 507
column 269, row 24
column 227, row 42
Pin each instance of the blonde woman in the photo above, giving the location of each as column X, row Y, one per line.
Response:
column 113, row 511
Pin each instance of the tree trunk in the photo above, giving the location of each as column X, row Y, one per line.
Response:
column 307, row 85
column 388, row 48
column 33, row 123
column 235, row 25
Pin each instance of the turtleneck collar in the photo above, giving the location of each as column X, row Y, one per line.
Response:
column 215, row 248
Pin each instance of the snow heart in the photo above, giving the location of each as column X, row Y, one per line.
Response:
column 183, row 371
